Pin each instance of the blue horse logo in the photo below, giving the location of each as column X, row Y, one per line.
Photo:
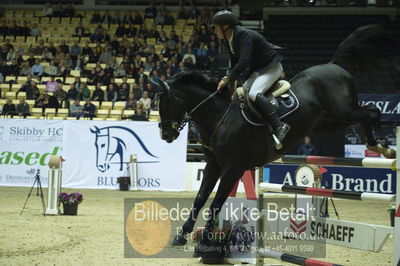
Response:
column 111, row 147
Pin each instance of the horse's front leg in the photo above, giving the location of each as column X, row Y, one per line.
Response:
column 210, row 177
column 227, row 182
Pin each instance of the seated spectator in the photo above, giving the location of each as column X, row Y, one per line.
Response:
column 160, row 19
column 146, row 101
column 150, row 11
column 60, row 94
column 120, row 72
column 72, row 94
column 42, row 100
column 106, row 18
column 131, row 103
column 37, row 69
column 3, row 29
column 127, row 19
column 24, row 30
column 62, row 69
column 189, row 54
column 31, row 90
column 35, row 31
column 105, row 56
column 52, row 85
column 47, row 55
column 64, row 47
column 23, row 107
column 13, row 69
column 75, row 50
column 9, row 108
column 98, row 93
column 69, row 10
column 137, row 91
column 52, row 102
column 52, row 49
column 120, row 31
column 89, row 109
column 123, row 93
column 11, row 55
column 48, row 10
column 84, row 93
column 26, row 70
column 182, row 14
column 92, row 78
column 111, row 93
column 76, row 109
column 78, row 63
column 193, row 12
column 51, row 70
column 140, row 113
column 87, row 50
column 137, row 18
column 68, row 61
column 96, row 18
column 169, row 19
column 38, row 50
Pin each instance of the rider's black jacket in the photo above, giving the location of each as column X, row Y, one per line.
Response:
column 251, row 53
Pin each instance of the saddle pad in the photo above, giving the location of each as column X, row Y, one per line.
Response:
column 285, row 105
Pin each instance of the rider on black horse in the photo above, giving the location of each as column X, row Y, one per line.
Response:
column 251, row 54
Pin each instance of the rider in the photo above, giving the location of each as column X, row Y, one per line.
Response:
column 249, row 51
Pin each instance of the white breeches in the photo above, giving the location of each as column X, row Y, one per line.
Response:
column 261, row 82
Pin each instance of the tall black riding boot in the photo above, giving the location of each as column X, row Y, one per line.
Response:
column 267, row 109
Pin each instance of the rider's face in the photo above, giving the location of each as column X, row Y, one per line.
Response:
column 218, row 31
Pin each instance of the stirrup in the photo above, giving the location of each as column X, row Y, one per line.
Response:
column 278, row 145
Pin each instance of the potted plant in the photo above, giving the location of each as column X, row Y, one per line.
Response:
column 124, row 183
column 215, row 250
column 70, row 202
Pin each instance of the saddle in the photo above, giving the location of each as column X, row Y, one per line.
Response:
column 284, row 100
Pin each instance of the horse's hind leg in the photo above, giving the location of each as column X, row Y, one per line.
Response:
column 368, row 117
column 210, row 177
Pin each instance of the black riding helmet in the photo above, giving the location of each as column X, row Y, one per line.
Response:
column 224, row 17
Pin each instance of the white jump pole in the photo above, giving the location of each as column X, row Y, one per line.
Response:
column 54, row 185
column 396, row 257
column 133, row 172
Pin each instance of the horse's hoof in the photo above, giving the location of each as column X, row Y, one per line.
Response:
column 179, row 240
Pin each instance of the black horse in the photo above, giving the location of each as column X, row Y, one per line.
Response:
column 328, row 101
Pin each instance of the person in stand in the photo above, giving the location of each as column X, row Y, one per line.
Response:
column 89, row 109
column 9, row 108
column 307, row 148
column 255, row 58
column 23, row 107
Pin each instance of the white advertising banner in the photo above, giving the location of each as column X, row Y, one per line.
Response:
column 95, row 153
column 360, row 151
column 25, row 148
column 194, row 176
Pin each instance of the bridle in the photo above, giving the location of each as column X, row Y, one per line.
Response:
column 178, row 126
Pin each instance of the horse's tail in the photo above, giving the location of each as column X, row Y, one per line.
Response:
column 366, row 48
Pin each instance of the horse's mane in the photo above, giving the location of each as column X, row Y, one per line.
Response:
column 197, row 78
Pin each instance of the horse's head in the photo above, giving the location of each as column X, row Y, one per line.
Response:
column 102, row 146
column 172, row 109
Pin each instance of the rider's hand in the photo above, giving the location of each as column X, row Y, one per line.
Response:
column 222, row 83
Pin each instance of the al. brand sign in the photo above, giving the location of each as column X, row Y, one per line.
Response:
column 357, row 179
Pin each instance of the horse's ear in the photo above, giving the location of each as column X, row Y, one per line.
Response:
column 95, row 130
